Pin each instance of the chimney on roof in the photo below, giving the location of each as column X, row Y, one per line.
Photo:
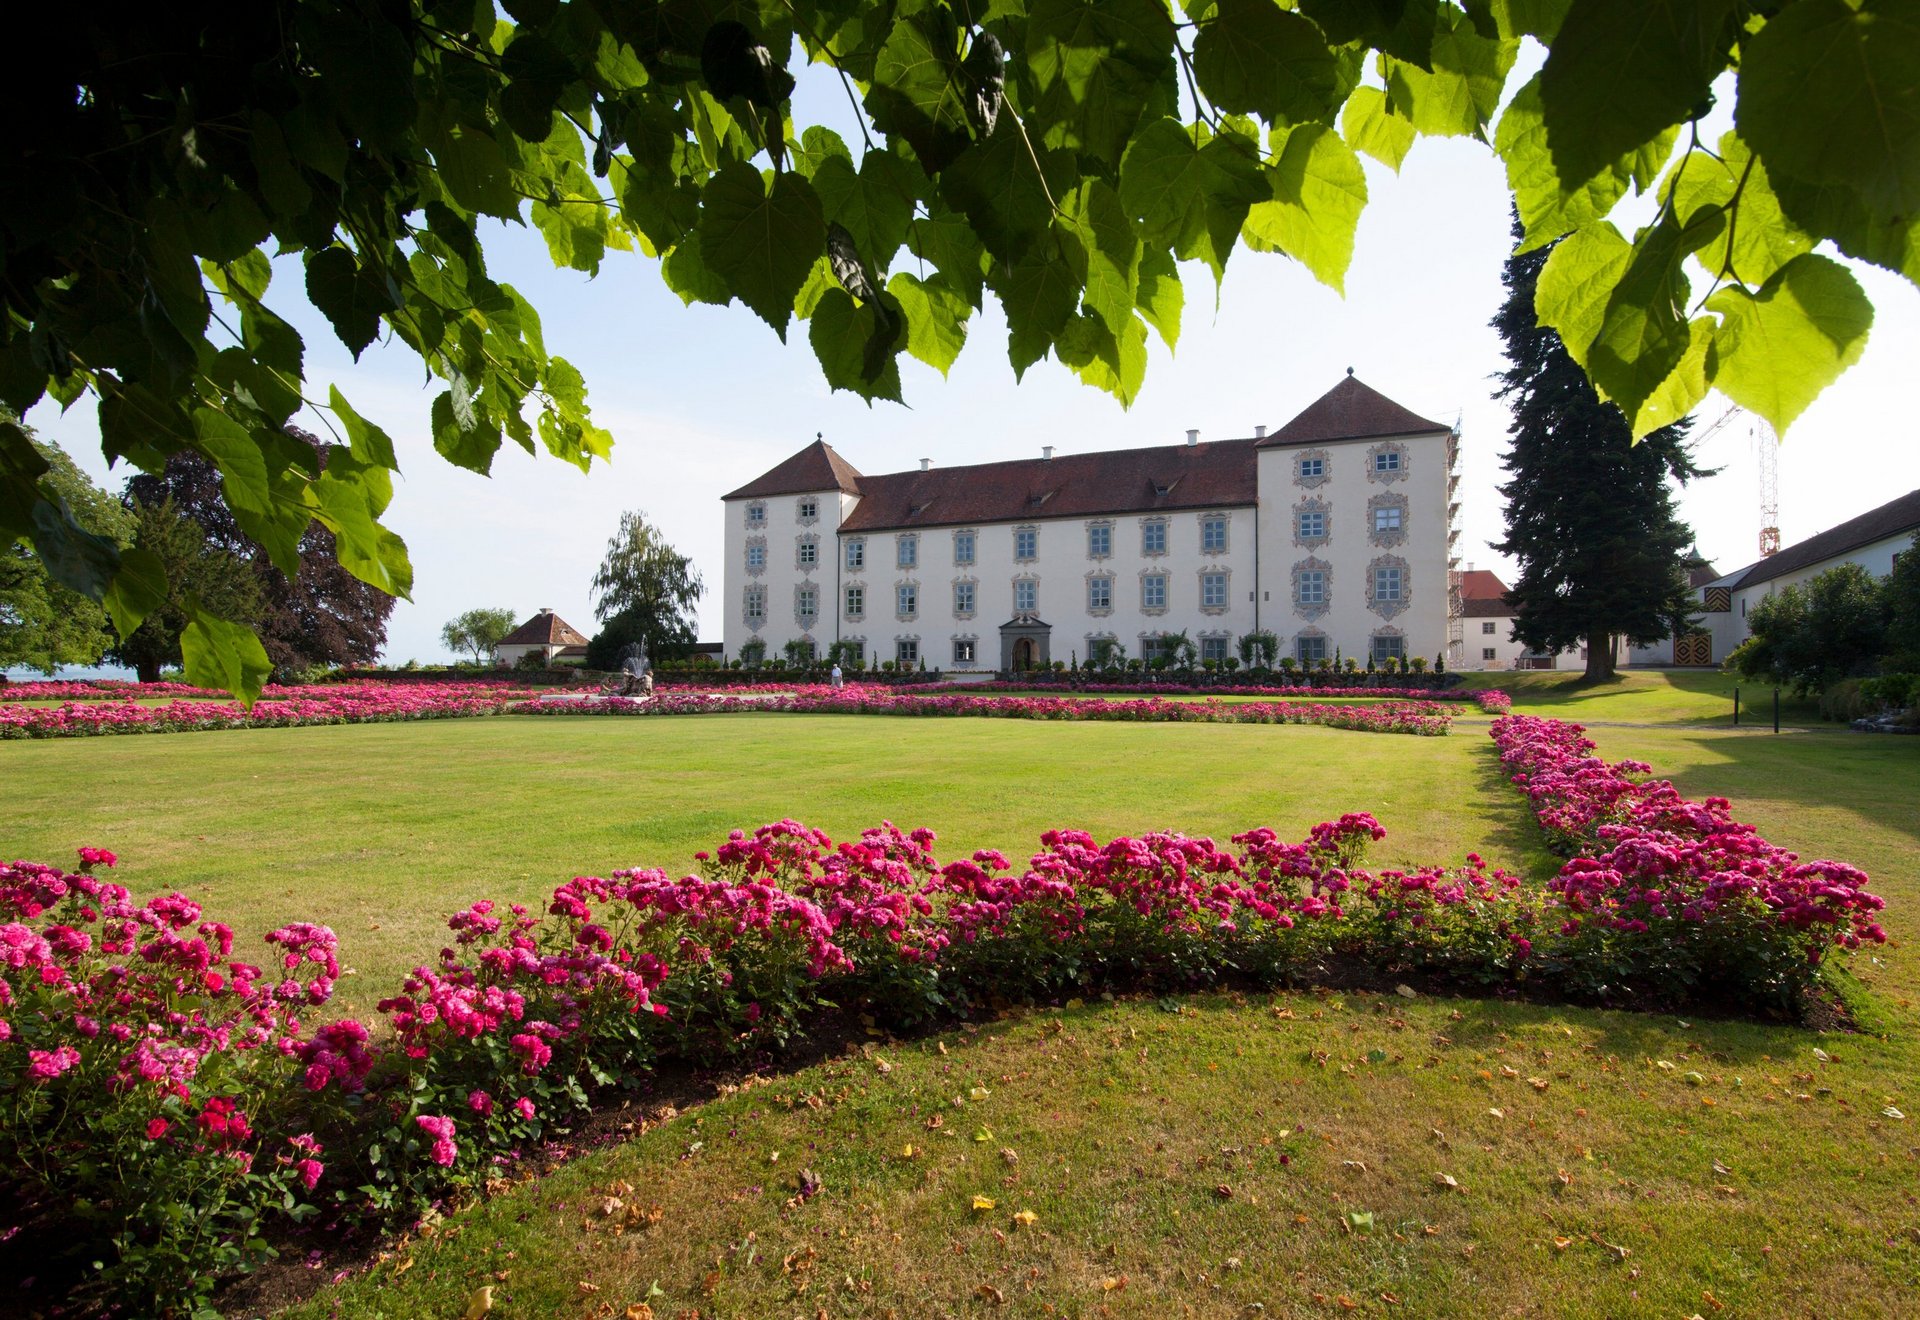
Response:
column 1046, row 453
column 1193, row 436
column 1260, row 431
column 925, row 463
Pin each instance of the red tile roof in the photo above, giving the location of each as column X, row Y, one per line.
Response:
column 1481, row 584
column 544, row 629
column 1485, row 607
column 1217, row 474
column 1350, row 411
column 817, row 467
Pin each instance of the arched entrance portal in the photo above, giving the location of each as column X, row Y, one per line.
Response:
column 1025, row 644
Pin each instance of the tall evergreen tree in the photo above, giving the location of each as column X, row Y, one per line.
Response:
column 1590, row 514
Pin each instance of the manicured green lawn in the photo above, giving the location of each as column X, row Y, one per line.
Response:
column 381, row 830
column 1665, row 696
column 1147, row 1142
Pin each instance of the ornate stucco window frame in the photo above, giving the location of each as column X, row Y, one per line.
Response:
column 905, row 616
column 973, row 585
column 803, row 617
column 800, row 554
column 914, row 640
column 1024, row 579
column 1388, row 609
column 1313, row 504
column 1386, row 633
column 1396, row 473
column 1032, row 532
column 850, row 546
column 1226, row 595
column 973, row 546
column 1308, row 609
column 852, row 615
column 1107, row 525
column 757, row 514
column 1392, row 536
column 972, row 640
column 1166, row 591
column 1166, row 539
column 756, row 543
column 1312, row 635
column 755, row 591
column 1222, row 636
column 1099, row 611
column 1225, row 520
column 806, row 510
column 1300, row 461
column 901, row 542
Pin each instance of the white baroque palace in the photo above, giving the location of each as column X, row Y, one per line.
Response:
column 1334, row 533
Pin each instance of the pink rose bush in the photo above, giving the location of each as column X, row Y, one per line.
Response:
column 131, row 1047
column 113, row 709
column 1665, row 895
column 133, row 1035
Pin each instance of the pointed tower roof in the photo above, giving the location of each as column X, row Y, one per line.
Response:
column 816, row 467
column 1350, row 411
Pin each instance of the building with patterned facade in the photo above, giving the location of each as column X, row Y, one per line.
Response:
column 1334, row 533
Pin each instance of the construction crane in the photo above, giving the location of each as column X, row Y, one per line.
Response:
column 1766, row 451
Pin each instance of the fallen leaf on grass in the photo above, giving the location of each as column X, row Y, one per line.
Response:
column 1358, row 1221
column 991, row 1295
column 978, row 1093
column 982, row 1203
column 639, row 1311
column 1026, row 1219
column 479, row 1302
column 1891, row 1112
column 1562, row 1243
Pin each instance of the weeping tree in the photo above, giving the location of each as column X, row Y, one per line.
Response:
column 1590, row 514
column 645, row 591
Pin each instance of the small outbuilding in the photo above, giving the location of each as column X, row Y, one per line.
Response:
column 546, row 635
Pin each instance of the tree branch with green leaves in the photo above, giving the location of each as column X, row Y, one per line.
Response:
column 1064, row 155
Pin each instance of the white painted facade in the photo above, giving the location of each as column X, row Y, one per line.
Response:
column 1371, row 515
column 1726, row 601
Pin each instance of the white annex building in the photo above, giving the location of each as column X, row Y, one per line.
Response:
column 1870, row 540
column 1334, row 532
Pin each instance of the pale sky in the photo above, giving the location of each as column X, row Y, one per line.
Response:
column 702, row 399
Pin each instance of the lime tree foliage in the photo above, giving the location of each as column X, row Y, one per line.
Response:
column 43, row 623
column 644, row 592
column 1590, row 518
column 318, row 616
column 1061, row 155
column 477, row 632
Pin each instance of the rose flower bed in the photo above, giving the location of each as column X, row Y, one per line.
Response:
column 1675, row 898
column 1416, row 717
column 279, row 707
column 168, row 1107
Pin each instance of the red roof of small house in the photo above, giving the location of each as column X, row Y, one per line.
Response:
column 1350, row 411
column 1481, row 584
column 817, row 467
column 1485, row 607
column 544, row 629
